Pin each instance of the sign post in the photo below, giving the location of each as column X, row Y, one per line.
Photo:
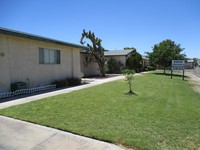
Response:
column 178, row 65
column 171, row 73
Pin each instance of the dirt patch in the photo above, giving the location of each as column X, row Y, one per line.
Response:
column 195, row 81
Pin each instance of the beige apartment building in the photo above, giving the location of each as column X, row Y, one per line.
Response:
column 36, row 60
column 88, row 69
column 119, row 55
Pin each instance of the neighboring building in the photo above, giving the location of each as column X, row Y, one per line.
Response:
column 88, row 69
column 93, row 69
column 198, row 62
column 119, row 55
column 36, row 60
column 145, row 61
column 189, row 64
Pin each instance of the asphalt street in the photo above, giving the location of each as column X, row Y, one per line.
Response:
column 195, row 71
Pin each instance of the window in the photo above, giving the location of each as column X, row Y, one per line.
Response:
column 49, row 56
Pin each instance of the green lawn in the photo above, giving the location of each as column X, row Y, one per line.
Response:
column 165, row 113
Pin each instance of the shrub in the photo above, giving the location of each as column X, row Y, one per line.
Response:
column 149, row 68
column 114, row 66
column 67, row 82
column 61, row 83
column 134, row 62
column 74, row 81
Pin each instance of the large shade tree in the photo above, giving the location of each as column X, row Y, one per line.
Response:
column 134, row 62
column 95, row 51
column 164, row 52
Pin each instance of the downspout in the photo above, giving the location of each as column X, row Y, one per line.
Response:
column 9, row 61
column 72, row 63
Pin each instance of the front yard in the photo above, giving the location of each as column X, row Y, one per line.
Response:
column 165, row 113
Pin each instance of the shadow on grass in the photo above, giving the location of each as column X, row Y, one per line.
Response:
column 169, row 74
column 131, row 93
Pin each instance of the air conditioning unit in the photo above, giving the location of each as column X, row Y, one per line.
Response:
column 18, row 86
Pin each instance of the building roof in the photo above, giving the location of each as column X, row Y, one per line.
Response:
column 190, row 61
column 117, row 52
column 145, row 57
column 38, row 38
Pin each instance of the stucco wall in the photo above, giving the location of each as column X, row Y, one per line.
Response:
column 145, row 62
column 21, row 62
column 91, row 69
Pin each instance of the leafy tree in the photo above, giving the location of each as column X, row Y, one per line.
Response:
column 134, row 62
column 129, row 76
column 164, row 52
column 95, row 52
column 114, row 66
column 130, row 48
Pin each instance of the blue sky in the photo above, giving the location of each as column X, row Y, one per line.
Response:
column 119, row 23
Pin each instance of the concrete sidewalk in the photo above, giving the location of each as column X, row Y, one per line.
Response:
column 92, row 82
column 20, row 135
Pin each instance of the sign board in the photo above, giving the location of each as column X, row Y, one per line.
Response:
column 178, row 64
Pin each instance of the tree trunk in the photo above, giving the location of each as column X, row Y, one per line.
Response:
column 103, row 73
column 130, row 87
column 164, row 70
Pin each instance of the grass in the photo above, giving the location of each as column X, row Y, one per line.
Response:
column 165, row 113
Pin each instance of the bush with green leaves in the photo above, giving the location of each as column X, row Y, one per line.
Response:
column 74, row 81
column 67, row 82
column 149, row 68
column 134, row 62
column 114, row 66
column 61, row 83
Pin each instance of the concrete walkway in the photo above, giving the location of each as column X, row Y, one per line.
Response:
column 20, row 135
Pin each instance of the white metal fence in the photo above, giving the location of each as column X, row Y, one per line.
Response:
column 27, row 91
